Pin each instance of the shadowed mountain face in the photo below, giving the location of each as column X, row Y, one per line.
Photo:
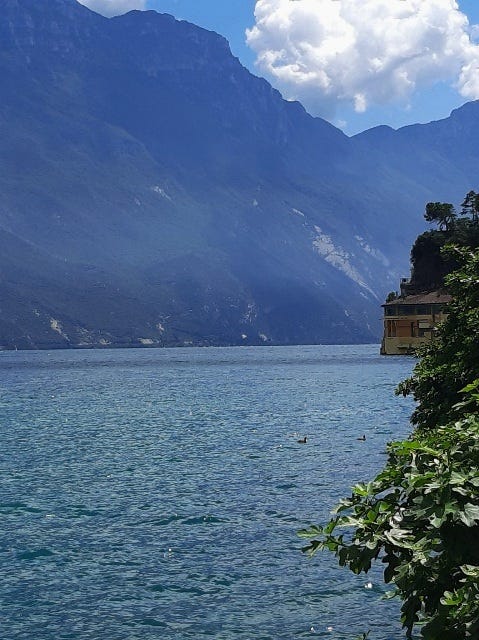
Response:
column 154, row 192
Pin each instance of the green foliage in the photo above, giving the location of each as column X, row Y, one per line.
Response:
column 420, row 515
column 430, row 266
column 470, row 206
column 442, row 213
column 430, row 263
column 452, row 361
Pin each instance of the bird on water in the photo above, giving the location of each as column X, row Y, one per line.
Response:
column 303, row 440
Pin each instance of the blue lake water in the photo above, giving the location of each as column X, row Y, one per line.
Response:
column 156, row 494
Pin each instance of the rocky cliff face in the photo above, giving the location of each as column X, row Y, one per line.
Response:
column 154, row 192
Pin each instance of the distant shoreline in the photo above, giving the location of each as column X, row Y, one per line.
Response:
column 4, row 349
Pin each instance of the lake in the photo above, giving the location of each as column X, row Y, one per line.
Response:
column 156, row 494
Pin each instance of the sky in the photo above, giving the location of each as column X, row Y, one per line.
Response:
column 357, row 63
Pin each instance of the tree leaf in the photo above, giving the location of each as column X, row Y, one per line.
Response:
column 470, row 514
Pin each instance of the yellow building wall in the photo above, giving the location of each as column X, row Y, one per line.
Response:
column 404, row 334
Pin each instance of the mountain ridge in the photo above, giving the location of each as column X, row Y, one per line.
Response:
column 158, row 194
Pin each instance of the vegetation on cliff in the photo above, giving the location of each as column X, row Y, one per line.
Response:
column 420, row 515
column 430, row 264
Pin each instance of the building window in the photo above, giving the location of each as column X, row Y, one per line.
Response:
column 391, row 329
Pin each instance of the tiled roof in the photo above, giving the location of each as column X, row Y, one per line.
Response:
column 434, row 297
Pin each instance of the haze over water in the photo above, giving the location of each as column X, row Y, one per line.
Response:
column 157, row 493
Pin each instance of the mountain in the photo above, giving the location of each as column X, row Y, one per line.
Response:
column 442, row 155
column 154, row 192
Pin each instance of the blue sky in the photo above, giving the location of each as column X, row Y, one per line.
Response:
column 425, row 63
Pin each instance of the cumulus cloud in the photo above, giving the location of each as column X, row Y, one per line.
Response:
column 327, row 53
column 111, row 8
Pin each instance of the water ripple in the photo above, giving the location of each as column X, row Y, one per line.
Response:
column 157, row 493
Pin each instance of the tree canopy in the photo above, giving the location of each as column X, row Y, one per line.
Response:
column 442, row 213
column 470, row 206
column 429, row 262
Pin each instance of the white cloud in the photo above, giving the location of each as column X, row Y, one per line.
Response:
column 110, row 8
column 363, row 52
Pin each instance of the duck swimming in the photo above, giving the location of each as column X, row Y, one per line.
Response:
column 362, row 438
column 303, row 440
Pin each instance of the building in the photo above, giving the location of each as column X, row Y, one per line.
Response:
column 411, row 320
